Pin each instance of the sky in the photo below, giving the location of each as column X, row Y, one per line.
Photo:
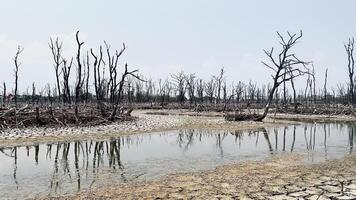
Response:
column 169, row 36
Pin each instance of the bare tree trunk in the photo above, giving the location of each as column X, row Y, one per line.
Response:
column 285, row 67
column 4, row 95
column 17, row 65
column 87, row 79
column 325, row 80
column 66, row 73
column 314, row 81
column 349, row 47
column 119, row 92
column 56, row 49
column 294, row 92
column 219, row 79
column 78, row 87
column 33, row 93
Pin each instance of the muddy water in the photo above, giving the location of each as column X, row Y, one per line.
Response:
column 60, row 168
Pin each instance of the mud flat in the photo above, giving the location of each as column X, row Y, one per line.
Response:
column 143, row 124
column 279, row 177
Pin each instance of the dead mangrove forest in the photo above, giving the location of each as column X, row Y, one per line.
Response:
column 104, row 91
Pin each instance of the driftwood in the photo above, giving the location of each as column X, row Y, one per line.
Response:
column 242, row 117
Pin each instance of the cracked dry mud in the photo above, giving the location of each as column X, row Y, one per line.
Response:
column 279, row 177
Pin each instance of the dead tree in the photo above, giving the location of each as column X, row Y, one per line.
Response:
column 200, row 89
column 285, row 67
column 294, row 92
column 314, row 83
column 210, row 87
column 4, row 94
column 139, row 92
column 66, row 67
column 251, row 90
column 219, row 80
column 33, row 97
column 168, row 89
column 149, row 86
column 87, row 63
column 161, row 92
column 349, row 47
column 16, row 71
column 325, row 80
column 126, row 73
column 112, row 63
column 130, row 90
column 180, row 85
column 56, row 50
column 190, row 80
column 79, row 81
column 284, row 91
column 98, row 83
column 239, row 90
column 224, row 90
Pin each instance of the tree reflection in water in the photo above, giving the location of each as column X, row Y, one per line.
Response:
column 82, row 162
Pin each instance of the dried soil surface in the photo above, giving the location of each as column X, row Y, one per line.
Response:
column 279, row 177
column 175, row 119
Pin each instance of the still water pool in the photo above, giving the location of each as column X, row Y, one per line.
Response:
column 61, row 168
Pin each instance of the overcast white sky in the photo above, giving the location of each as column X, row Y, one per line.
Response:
column 166, row 36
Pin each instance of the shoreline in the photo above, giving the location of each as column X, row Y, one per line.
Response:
column 151, row 122
column 276, row 177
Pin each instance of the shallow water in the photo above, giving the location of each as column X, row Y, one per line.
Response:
column 53, row 169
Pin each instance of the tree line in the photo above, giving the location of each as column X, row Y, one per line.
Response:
column 100, row 79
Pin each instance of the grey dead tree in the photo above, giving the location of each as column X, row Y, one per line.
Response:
column 160, row 91
column 313, row 86
column 112, row 64
column 139, row 91
column 56, row 50
column 349, row 48
column 4, row 94
column 86, row 63
column 325, row 81
column 219, row 81
column 284, row 91
column 16, row 71
column 340, row 90
column 191, row 87
column 239, row 91
column 33, row 97
column 168, row 87
column 179, row 82
column 66, row 67
column 224, row 90
column 124, row 75
column 79, row 80
column 49, row 93
column 210, row 87
column 200, row 89
column 130, row 90
column 149, row 86
column 251, row 90
column 263, row 93
column 308, row 83
column 294, row 91
column 98, row 83
column 285, row 66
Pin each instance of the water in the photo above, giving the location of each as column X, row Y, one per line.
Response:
column 61, row 168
